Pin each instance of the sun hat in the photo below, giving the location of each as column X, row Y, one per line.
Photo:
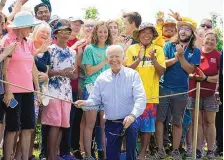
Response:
column 23, row 19
column 186, row 23
column 62, row 24
column 142, row 27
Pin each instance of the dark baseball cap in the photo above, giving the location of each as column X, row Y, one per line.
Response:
column 62, row 24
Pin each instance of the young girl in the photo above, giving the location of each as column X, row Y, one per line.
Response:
column 95, row 62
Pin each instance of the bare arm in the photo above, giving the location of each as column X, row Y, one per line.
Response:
column 158, row 68
column 170, row 62
column 135, row 64
column 189, row 68
column 35, row 77
column 5, row 74
column 93, row 69
column 213, row 79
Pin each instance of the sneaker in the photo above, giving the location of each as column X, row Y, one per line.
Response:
column 77, row 155
column 176, row 155
column 198, row 154
column 161, row 154
column 188, row 153
column 211, row 155
column 68, row 157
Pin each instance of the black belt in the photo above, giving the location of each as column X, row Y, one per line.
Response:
column 116, row 120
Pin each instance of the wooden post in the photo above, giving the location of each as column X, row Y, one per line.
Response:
column 196, row 114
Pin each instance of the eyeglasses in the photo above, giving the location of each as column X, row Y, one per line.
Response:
column 188, row 29
column 65, row 32
column 205, row 25
column 89, row 25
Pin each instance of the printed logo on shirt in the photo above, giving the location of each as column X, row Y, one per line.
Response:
column 213, row 60
column 190, row 55
column 99, row 55
column 146, row 62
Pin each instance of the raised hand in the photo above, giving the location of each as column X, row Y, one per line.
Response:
column 175, row 15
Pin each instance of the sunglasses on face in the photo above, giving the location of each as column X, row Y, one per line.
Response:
column 205, row 25
column 65, row 31
column 185, row 29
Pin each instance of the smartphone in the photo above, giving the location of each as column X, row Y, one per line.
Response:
column 13, row 103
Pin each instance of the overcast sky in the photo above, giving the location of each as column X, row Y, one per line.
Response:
column 111, row 9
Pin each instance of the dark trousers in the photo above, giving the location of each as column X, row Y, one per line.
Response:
column 65, row 145
column 44, row 135
column 76, row 129
column 114, row 140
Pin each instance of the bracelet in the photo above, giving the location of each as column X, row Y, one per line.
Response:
column 205, row 78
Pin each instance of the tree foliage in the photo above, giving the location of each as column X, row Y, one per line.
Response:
column 91, row 13
column 217, row 22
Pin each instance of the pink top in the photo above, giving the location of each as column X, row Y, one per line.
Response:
column 20, row 65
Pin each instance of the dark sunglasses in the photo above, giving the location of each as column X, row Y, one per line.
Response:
column 205, row 25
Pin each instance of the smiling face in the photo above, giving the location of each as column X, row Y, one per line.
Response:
column 210, row 41
column 113, row 29
column 43, row 13
column 43, row 34
column 115, row 57
column 185, row 33
column 63, row 35
column 146, row 36
column 102, row 34
column 169, row 30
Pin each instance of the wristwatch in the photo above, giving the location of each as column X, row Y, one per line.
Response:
column 206, row 77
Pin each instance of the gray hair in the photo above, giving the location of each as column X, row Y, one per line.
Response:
column 115, row 47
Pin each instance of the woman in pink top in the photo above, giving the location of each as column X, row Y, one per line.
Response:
column 20, row 69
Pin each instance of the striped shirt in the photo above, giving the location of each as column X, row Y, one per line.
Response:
column 121, row 94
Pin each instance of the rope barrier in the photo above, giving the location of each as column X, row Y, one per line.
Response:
column 37, row 92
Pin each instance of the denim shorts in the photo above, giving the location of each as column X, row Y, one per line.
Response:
column 207, row 104
column 85, row 96
column 176, row 104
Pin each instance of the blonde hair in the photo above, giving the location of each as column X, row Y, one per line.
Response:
column 37, row 28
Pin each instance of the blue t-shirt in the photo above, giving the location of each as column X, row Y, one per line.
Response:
column 42, row 62
column 175, row 77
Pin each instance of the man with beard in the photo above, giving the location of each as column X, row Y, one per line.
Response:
column 42, row 12
column 181, row 59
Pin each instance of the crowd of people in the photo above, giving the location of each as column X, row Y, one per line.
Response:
column 104, row 85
